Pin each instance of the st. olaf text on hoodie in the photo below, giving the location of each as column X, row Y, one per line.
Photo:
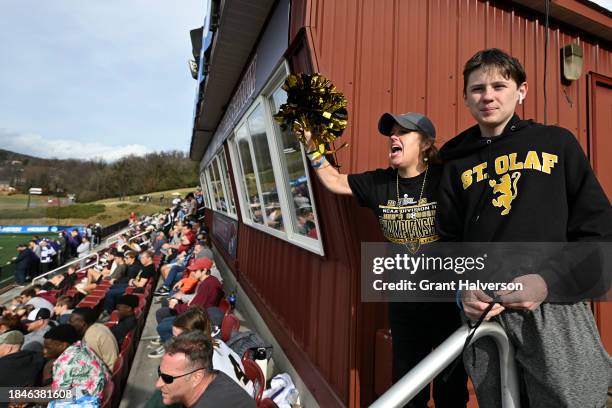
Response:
column 533, row 160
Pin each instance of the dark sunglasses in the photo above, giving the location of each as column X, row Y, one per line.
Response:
column 169, row 379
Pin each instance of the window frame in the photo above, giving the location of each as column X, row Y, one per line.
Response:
column 209, row 172
column 226, row 176
column 205, row 190
column 279, row 169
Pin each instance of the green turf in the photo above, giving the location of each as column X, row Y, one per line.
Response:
column 8, row 244
column 74, row 211
column 20, row 201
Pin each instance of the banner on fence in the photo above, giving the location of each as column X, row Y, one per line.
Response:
column 38, row 229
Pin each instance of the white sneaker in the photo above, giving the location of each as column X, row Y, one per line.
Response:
column 157, row 353
column 156, row 342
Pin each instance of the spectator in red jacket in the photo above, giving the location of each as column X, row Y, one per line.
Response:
column 209, row 293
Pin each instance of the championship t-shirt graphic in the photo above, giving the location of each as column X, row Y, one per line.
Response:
column 411, row 221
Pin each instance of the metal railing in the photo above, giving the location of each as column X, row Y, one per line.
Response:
column 137, row 235
column 432, row 365
column 66, row 265
column 110, row 238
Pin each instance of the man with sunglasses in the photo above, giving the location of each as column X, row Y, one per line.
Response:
column 186, row 376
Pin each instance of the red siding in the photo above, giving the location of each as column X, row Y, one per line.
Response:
column 309, row 297
column 408, row 55
column 385, row 55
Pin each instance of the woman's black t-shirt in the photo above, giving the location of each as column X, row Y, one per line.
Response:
column 410, row 220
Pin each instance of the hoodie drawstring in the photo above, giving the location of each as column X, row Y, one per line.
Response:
column 468, row 339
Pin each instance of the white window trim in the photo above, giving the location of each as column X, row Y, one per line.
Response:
column 216, row 161
column 213, row 205
column 205, row 190
column 278, row 166
column 229, row 193
column 315, row 245
column 246, row 216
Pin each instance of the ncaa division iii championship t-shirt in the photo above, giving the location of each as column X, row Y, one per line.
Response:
column 409, row 220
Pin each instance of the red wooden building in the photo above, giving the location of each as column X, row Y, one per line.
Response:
column 294, row 247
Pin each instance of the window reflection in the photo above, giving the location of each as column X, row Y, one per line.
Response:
column 219, row 194
column 301, row 206
column 257, row 129
column 230, row 193
column 248, row 175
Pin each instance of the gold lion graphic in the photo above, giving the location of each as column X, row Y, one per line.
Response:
column 507, row 191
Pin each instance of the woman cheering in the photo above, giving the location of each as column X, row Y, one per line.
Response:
column 407, row 189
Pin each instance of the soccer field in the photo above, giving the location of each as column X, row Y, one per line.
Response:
column 8, row 244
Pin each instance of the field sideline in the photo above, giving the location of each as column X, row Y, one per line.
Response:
column 114, row 210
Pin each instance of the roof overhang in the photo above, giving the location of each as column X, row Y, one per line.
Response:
column 240, row 24
column 582, row 14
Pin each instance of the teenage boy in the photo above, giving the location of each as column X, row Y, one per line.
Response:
column 552, row 196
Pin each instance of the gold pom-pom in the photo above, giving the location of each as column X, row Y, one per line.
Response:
column 314, row 104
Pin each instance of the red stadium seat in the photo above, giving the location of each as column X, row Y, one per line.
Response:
column 107, row 394
column 104, row 284
column 229, row 324
column 99, row 291
column 225, row 307
column 254, row 373
column 117, row 374
column 127, row 346
column 267, row 403
column 114, row 317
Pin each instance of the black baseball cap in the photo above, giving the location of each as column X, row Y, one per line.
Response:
column 38, row 314
column 411, row 121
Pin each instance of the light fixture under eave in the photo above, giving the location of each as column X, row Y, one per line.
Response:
column 193, row 68
column 572, row 61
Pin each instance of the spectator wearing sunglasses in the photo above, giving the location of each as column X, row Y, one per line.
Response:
column 186, row 376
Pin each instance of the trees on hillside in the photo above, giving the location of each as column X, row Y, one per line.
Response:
column 95, row 179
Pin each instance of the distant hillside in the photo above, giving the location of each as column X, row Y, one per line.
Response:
column 93, row 180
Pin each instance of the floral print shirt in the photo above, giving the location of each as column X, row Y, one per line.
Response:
column 78, row 368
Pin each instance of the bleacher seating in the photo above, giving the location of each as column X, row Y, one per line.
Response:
column 114, row 388
column 95, row 299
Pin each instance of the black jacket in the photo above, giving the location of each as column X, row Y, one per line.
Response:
column 21, row 369
column 532, row 183
column 23, row 260
column 123, row 327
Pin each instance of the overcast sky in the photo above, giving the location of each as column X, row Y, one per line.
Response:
column 84, row 79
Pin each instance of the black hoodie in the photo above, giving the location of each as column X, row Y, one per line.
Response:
column 532, row 183
column 542, row 188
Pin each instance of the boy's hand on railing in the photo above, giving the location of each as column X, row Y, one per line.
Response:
column 534, row 292
column 475, row 302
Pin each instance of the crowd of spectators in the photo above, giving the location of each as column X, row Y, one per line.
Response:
column 41, row 255
column 49, row 338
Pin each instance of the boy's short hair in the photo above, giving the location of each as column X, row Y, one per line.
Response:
column 29, row 292
column 508, row 66
column 130, row 254
column 65, row 300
